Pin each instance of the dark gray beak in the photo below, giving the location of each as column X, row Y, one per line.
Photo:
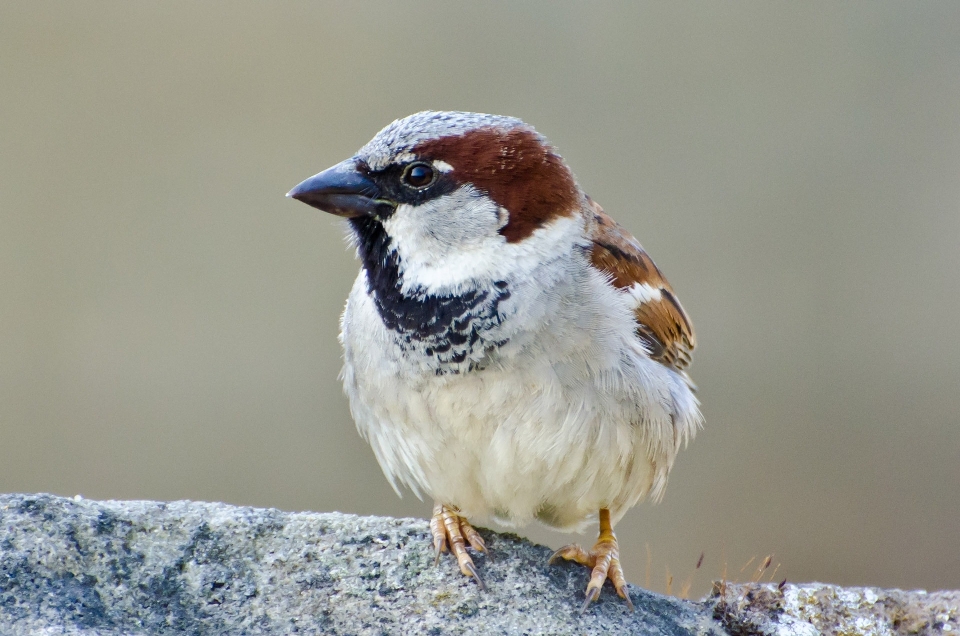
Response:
column 344, row 191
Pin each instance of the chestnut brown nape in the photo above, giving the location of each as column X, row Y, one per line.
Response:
column 516, row 168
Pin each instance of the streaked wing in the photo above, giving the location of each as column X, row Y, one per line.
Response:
column 663, row 325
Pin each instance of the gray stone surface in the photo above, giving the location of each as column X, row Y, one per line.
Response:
column 74, row 566
column 812, row 609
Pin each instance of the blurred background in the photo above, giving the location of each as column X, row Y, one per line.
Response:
column 168, row 320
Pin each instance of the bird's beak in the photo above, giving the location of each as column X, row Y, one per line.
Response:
column 344, row 191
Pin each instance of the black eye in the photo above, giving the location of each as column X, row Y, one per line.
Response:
column 418, row 175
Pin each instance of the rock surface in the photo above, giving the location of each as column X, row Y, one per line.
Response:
column 817, row 608
column 73, row 566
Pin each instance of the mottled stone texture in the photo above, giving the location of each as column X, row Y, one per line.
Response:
column 73, row 566
column 816, row 608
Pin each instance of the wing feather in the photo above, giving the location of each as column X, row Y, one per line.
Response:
column 662, row 324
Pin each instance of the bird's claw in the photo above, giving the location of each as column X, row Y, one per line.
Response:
column 592, row 594
column 603, row 560
column 449, row 528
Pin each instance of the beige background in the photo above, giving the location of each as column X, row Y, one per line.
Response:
column 168, row 320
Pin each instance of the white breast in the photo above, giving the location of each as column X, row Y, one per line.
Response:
column 569, row 416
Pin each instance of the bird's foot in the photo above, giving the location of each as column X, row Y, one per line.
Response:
column 603, row 559
column 449, row 528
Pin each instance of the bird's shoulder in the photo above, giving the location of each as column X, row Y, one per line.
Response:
column 662, row 324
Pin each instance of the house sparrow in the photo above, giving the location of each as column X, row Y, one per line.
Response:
column 510, row 351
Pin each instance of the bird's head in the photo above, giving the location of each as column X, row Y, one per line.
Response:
column 455, row 194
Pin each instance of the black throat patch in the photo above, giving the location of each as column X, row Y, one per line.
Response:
column 453, row 332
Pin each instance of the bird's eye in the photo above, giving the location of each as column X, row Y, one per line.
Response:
column 418, row 175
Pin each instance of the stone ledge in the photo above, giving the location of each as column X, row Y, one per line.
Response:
column 75, row 566
column 816, row 608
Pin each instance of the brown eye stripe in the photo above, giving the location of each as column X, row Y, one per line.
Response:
column 516, row 168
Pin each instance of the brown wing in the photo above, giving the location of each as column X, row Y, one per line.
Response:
column 663, row 325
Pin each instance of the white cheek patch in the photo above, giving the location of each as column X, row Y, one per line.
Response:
column 453, row 222
column 440, row 241
column 453, row 243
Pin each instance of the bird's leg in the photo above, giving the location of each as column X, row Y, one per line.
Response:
column 449, row 528
column 604, row 558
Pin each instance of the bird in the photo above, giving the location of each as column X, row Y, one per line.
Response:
column 510, row 351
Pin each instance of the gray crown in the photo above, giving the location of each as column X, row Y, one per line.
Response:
column 403, row 134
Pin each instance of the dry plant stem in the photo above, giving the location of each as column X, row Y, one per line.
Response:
column 760, row 569
column 774, row 573
column 604, row 558
column 450, row 529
